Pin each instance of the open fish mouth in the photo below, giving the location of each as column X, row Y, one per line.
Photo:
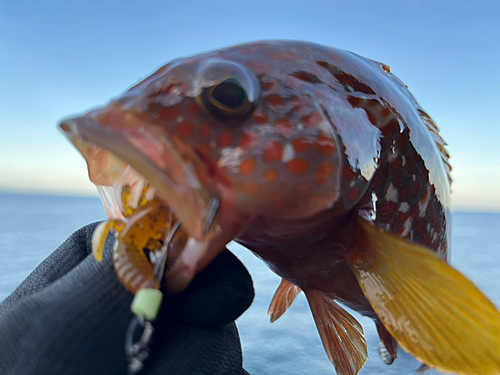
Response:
column 121, row 152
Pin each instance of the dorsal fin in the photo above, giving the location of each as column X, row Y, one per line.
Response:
column 426, row 119
column 440, row 143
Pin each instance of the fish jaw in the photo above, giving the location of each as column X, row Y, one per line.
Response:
column 122, row 148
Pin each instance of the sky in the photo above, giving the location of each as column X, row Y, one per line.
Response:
column 59, row 58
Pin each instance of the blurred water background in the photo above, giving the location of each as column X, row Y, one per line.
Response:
column 32, row 226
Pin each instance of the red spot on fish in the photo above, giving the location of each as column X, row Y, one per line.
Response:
column 371, row 117
column 274, row 100
column 423, row 196
column 248, row 140
column 260, row 117
column 386, row 209
column 410, row 164
column 292, row 83
column 301, row 144
column 403, row 194
column 298, row 166
column 415, row 187
column 260, row 67
column 283, row 126
column 193, row 109
column 205, row 129
column 391, row 127
column 305, row 49
column 303, row 187
column 270, row 87
column 385, row 111
column 312, row 119
column 278, row 200
column 399, row 221
column 225, row 139
column 205, row 149
column 353, row 194
column 325, row 145
column 244, row 51
column 302, row 76
column 396, row 164
column 414, row 212
column 419, row 225
column 348, row 174
column 377, row 183
column 282, row 55
column 185, row 129
column 355, row 102
column 271, row 175
column 323, row 172
column 300, row 102
column 396, row 181
column 247, row 166
column 169, row 113
column 253, row 189
column 273, row 151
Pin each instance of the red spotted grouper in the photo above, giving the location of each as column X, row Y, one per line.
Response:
column 322, row 163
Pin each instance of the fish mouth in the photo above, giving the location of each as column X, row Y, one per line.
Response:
column 125, row 149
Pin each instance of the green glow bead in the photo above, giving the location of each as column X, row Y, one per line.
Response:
column 147, row 302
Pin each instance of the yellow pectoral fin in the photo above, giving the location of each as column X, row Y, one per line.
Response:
column 432, row 310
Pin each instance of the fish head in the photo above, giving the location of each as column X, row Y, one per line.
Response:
column 231, row 127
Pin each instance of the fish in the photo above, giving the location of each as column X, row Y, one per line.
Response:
column 323, row 164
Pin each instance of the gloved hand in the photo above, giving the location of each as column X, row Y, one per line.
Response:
column 71, row 314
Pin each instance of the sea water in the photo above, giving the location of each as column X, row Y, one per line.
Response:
column 32, row 226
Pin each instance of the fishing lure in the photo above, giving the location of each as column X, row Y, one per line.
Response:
column 134, row 234
column 148, row 227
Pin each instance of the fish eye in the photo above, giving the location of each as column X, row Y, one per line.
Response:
column 228, row 97
column 227, row 90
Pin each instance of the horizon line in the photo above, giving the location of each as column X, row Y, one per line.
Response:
column 89, row 194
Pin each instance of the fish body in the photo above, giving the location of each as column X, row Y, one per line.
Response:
column 323, row 164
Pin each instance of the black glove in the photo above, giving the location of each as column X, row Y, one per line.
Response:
column 71, row 314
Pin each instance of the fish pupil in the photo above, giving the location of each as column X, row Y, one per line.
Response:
column 230, row 93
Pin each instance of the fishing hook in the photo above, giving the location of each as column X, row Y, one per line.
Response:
column 212, row 211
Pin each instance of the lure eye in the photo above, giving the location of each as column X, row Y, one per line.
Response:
column 226, row 90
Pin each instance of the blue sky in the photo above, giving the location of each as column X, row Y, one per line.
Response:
column 59, row 58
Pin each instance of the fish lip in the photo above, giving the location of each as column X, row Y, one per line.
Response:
column 189, row 204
